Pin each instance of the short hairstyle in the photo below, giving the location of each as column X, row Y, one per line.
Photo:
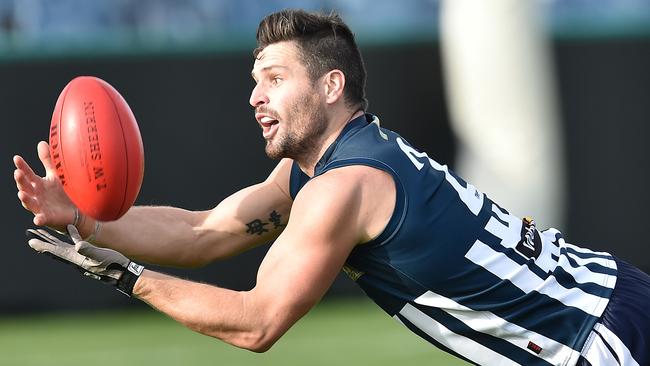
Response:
column 325, row 43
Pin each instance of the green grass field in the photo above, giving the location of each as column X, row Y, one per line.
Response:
column 341, row 332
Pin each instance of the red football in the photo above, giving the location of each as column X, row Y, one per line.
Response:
column 96, row 147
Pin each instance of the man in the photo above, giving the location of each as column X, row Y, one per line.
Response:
column 430, row 249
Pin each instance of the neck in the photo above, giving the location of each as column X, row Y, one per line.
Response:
column 308, row 163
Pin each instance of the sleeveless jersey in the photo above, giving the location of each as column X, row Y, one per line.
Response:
column 459, row 270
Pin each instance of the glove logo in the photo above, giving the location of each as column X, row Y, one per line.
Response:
column 135, row 268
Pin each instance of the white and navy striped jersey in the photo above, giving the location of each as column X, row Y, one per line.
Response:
column 462, row 272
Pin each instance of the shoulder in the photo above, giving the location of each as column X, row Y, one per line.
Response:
column 358, row 197
column 346, row 181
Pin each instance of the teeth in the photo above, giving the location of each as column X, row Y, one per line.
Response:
column 266, row 120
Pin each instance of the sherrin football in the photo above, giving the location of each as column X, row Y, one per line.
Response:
column 96, row 148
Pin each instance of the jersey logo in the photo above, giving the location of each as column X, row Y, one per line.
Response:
column 354, row 274
column 530, row 244
column 533, row 347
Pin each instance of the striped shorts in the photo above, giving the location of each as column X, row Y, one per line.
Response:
column 622, row 335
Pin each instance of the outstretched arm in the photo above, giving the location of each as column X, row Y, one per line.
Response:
column 329, row 217
column 174, row 236
column 166, row 235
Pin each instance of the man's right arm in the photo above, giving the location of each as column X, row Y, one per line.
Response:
column 167, row 235
column 178, row 237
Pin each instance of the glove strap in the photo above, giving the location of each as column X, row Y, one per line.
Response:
column 128, row 279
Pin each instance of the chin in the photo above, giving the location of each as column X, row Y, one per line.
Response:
column 272, row 152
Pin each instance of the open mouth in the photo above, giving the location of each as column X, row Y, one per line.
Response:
column 269, row 126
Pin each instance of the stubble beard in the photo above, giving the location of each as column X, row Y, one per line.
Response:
column 301, row 140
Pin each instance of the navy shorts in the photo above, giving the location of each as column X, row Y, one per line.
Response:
column 622, row 335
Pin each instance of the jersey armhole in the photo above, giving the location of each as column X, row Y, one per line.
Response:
column 297, row 179
column 399, row 212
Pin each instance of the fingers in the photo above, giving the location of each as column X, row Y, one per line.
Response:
column 40, row 195
column 41, row 241
column 61, row 250
column 32, row 233
column 28, row 201
column 26, row 181
column 44, row 155
column 102, row 256
column 26, row 191
column 40, row 246
column 83, row 247
column 24, row 169
column 46, row 235
column 74, row 234
column 39, row 219
column 22, row 182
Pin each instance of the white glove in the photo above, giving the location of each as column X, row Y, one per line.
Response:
column 106, row 265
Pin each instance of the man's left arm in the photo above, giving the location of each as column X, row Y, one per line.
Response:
column 329, row 217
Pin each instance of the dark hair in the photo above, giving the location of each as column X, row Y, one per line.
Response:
column 325, row 43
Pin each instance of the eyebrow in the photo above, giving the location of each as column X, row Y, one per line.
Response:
column 267, row 68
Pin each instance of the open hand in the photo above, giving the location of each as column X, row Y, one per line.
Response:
column 43, row 196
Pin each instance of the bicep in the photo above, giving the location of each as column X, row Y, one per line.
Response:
column 249, row 217
column 306, row 258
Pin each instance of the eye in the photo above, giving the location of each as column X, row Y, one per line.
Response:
column 276, row 80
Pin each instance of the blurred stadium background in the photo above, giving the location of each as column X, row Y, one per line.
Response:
column 183, row 67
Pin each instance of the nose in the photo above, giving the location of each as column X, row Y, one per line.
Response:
column 258, row 96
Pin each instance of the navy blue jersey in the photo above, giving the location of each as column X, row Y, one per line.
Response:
column 462, row 272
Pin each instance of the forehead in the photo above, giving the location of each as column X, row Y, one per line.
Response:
column 284, row 54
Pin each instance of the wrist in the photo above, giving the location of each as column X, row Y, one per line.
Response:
column 76, row 217
column 88, row 227
column 139, row 285
column 127, row 281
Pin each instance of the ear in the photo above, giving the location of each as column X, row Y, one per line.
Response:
column 334, row 82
